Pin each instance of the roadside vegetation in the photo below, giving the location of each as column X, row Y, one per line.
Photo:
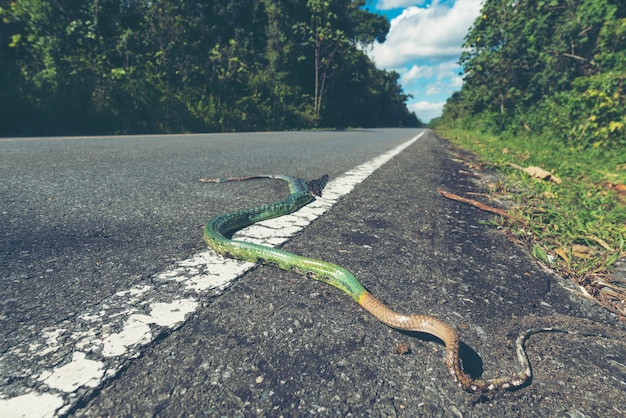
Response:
column 120, row 66
column 544, row 89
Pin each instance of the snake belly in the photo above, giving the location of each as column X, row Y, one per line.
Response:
column 219, row 229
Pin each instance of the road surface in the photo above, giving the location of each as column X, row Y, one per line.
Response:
column 112, row 306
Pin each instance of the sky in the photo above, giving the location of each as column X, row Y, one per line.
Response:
column 423, row 45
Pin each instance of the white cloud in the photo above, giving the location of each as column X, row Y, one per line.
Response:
column 434, row 89
column 426, row 110
column 431, row 32
column 418, row 71
column 456, row 82
column 396, row 4
column 423, row 45
column 420, row 106
column 439, row 80
column 448, row 69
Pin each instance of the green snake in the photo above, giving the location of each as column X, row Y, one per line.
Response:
column 219, row 229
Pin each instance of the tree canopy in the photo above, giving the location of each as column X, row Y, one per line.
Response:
column 553, row 67
column 131, row 66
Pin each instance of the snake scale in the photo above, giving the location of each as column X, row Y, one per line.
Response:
column 219, row 229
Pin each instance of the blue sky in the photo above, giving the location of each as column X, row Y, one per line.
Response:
column 423, row 46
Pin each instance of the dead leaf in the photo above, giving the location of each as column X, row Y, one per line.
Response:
column 619, row 189
column 581, row 248
column 542, row 174
column 582, row 251
column 537, row 172
column 561, row 253
column 402, row 349
column 600, row 241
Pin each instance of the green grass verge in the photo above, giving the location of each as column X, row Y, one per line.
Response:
column 578, row 226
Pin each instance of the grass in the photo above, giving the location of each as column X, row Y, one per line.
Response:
column 576, row 227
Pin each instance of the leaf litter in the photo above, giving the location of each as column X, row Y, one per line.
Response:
column 588, row 260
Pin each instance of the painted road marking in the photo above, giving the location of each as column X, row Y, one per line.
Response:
column 68, row 361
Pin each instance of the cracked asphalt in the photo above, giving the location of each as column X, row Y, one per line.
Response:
column 277, row 344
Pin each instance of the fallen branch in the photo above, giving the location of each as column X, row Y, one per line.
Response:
column 477, row 204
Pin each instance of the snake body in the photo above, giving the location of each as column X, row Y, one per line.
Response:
column 217, row 234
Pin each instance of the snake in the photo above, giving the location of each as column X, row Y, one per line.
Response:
column 218, row 236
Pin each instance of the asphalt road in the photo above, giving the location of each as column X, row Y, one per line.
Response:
column 87, row 220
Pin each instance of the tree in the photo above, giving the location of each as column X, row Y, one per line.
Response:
column 128, row 66
column 555, row 66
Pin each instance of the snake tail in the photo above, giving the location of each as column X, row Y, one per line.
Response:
column 219, row 229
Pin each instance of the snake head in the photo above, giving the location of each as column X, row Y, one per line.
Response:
column 316, row 186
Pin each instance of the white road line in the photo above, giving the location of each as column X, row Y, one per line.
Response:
column 69, row 360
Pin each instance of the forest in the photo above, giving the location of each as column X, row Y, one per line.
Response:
column 169, row 66
column 546, row 68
